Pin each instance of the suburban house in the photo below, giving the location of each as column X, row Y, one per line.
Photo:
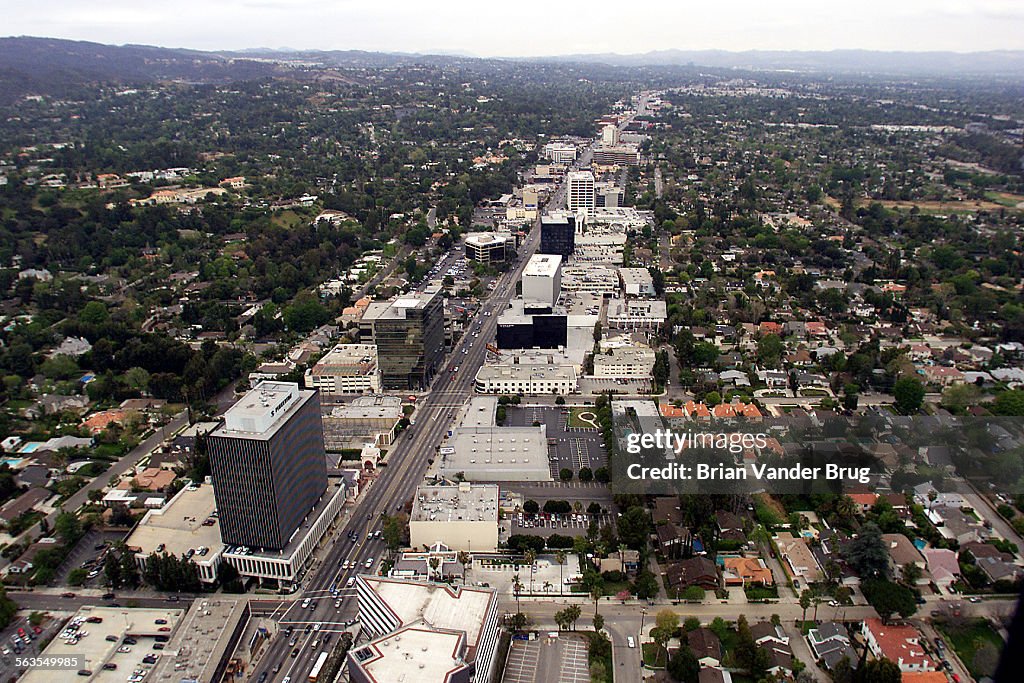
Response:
column 899, row 643
column 706, row 646
column 740, row 571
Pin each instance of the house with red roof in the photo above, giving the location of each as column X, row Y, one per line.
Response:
column 898, row 643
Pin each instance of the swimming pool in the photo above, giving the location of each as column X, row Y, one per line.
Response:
column 30, row 447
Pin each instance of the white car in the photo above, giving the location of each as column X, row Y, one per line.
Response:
column 369, row 563
column 305, row 603
column 630, row 642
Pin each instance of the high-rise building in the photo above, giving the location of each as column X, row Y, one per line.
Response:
column 580, row 194
column 610, row 135
column 269, row 465
column 558, row 234
column 541, row 281
column 409, row 334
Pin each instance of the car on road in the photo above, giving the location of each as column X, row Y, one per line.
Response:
column 369, row 563
column 295, row 652
column 305, row 603
column 630, row 642
column 68, row 594
column 351, row 582
column 974, row 599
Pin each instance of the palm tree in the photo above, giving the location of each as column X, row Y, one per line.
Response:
column 434, row 563
column 464, row 559
column 517, row 588
column 530, row 556
column 560, row 558
column 547, row 586
column 596, row 591
column 805, row 602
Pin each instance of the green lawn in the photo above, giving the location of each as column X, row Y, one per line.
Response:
column 654, row 656
column 968, row 638
column 574, row 418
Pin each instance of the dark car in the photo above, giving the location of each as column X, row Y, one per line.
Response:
column 108, row 596
column 110, row 666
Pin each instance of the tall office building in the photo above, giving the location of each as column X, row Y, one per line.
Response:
column 269, row 465
column 610, row 135
column 541, row 278
column 409, row 334
column 580, row 192
column 558, row 234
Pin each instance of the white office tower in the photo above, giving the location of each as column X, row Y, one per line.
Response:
column 541, row 278
column 610, row 135
column 581, row 196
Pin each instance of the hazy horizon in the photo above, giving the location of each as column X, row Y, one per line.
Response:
column 466, row 28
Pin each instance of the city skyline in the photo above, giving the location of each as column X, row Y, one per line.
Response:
column 490, row 31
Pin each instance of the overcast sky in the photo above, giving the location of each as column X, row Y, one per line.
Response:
column 496, row 28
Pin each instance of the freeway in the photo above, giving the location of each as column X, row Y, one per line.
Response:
column 394, row 486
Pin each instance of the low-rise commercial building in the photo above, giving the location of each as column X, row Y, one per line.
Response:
column 489, row 247
column 637, row 314
column 463, row 517
column 624, row 362
column 636, row 282
column 592, row 279
column 528, row 379
column 188, row 525
column 346, row 369
column 366, row 419
column 424, row 631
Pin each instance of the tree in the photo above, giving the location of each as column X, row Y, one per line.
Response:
column 395, row 531
column 434, row 563
column 112, row 570
column 769, row 350
column 77, row 576
column 573, row 613
column 805, row 602
column 867, row 553
column 560, row 558
column 531, row 507
column 910, row 573
column 565, row 474
column 909, row 395
column 586, row 475
column 530, row 557
column 890, row 598
column 1009, row 403
column 684, row 666
column 746, row 648
column 68, row 529
column 596, row 591
column 878, row 671
column 464, row 559
column 517, row 589
column 666, row 622
column 598, row 622
column 634, row 527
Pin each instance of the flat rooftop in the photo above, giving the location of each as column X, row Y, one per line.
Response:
column 487, row 238
column 521, row 371
column 95, row 650
column 200, row 642
column 348, row 359
column 466, row 503
column 369, row 407
column 497, row 454
column 262, row 410
column 410, row 654
column 179, row 525
column 398, row 308
column 542, row 265
column 439, row 606
column 638, row 276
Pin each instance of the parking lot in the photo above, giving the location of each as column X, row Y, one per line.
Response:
column 568, row 447
column 21, row 638
column 562, row 659
column 86, row 554
column 543, row 524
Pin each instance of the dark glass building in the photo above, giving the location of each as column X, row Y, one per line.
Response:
column 558, row 234
column 531, row 325
column 269, row 465
column 409, row 334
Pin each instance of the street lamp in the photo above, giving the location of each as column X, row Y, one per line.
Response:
column 643, row 613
